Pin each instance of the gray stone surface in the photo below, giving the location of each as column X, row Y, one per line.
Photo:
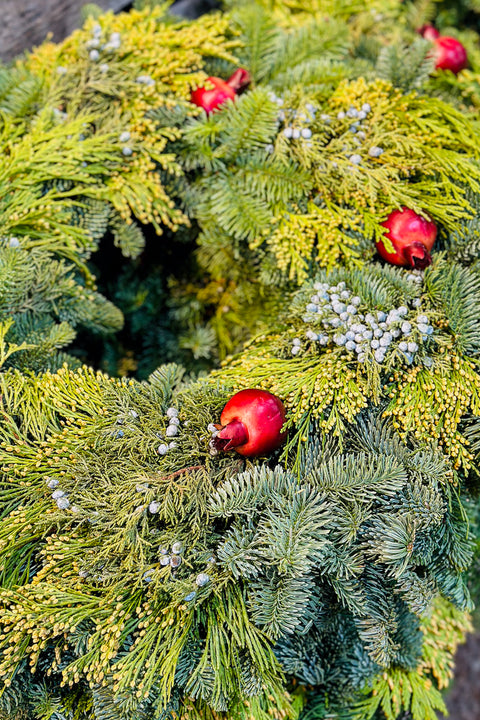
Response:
column 463, row 700
column 26, row 23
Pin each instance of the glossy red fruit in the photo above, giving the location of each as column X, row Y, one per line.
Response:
column 223, row 90
column 449, row 54
column 429, row 32
column 252, row 422
column 412, row 237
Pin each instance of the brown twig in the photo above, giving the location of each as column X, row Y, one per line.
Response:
column 180, row 472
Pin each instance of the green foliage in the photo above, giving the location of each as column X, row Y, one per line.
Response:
column 338, row 542
column 143, row 576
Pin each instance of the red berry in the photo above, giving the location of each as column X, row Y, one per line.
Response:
column 252, row 422
column 429, row 32
column 449, row 54
column 412, row 237
column 222, row 91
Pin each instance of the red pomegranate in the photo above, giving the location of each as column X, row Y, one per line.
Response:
column 412, row 237
column 251, row 423
column 223, row 90
column 449, row 54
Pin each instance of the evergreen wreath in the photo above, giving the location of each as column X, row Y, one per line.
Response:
column 194, row 238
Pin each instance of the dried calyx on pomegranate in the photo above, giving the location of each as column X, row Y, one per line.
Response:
column 251, row 424
column 211, row 98
column 412, row 237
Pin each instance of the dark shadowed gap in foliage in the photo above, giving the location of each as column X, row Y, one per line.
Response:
column 155, row 316
column 189, row 8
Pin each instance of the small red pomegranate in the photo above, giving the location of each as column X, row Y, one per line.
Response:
column 222, row 91
column 251, row 423
column 412, row 237
column 429, row 32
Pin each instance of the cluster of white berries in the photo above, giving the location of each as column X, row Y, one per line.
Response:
column 368, row 335
column 357, row 116
column 95, row 45
column 171, row 431
column 301, row 120
column 172, row 556
column 60, row 496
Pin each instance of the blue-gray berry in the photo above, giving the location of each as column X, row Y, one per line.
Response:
column 202, row 579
